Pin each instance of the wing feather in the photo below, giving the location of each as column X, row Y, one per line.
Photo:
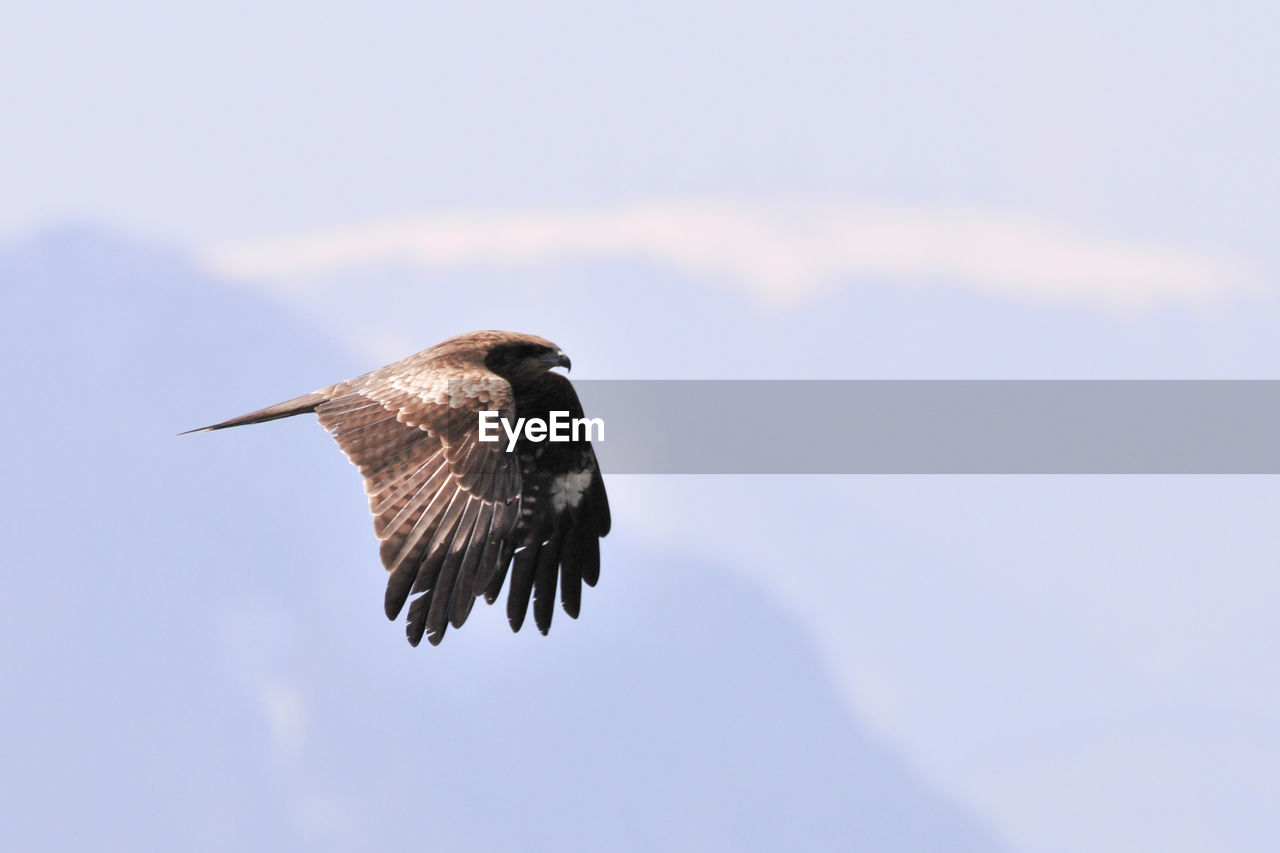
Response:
column 422, row 611
column 404, row 555
column 590, row 567
column 498, row 576
column 430, row 484
column 451, row 562
column 544, row 581
column 571, row 570
column 399, row 510
column 480, row 539
column 522, row 568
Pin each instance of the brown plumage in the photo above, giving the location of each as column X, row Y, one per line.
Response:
column 453, row 512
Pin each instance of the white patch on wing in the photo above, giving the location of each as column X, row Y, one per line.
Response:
column 567, row 490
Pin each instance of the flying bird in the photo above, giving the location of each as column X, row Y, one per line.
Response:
column 453, row 512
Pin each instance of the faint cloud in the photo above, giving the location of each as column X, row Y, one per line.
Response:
column 322, row 812
column 780, row 252
column 287, row 713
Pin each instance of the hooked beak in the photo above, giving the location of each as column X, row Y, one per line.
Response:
column 557, row 359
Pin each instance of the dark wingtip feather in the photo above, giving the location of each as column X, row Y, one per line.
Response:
column 590, row 559
column 521, row 586
column 544, row 582
column 571, row 571
column 398, row 586
column 454, row 555
column 417, row 624
column 600, row 505
column 499, row 575
column 478, row 541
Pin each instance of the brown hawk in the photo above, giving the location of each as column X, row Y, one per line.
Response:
column 454, row 512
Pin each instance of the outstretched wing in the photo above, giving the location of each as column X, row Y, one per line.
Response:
column 564, row 512
column 444, row 503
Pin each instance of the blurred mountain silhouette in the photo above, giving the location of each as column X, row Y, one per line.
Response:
column 194, row 653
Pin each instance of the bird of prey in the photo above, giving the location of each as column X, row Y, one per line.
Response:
column 452, row 511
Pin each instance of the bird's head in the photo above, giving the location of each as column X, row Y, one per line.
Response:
column 518, row 356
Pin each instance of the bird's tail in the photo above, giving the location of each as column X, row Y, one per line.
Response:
column 297, row 406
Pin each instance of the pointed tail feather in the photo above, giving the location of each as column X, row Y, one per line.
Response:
column 297, row 406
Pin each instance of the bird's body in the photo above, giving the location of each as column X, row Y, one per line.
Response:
column 454, row 512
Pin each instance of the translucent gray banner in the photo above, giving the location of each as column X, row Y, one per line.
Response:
column 936, row 426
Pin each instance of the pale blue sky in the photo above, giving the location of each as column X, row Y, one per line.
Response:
column 1057, row 664
column 202, row 122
